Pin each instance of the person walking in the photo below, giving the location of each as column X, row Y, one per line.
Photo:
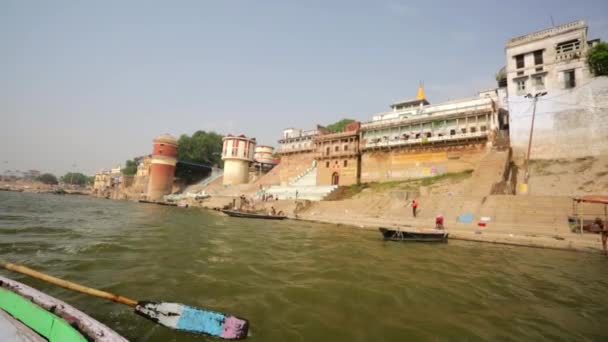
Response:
column 414, row 205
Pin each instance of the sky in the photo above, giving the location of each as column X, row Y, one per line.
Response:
column 86, row 85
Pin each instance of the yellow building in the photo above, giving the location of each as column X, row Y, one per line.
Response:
column 338, row 158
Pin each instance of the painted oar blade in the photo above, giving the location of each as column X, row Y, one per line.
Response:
column 187, row 318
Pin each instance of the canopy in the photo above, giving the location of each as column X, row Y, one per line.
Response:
column 592, row 199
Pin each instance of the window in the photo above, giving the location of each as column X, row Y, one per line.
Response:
column 428, row 134
column 327, row 164
column 569, row 79
column 538, row 57
column 327, row 151
column 345, row 147
column 519, row 61
column 539, row 69
column 483, row 128
column 452, row 132
column 521, row 86
column 539, row 82
column 337, row 148
column 463, row 130
column 520, row 73
column 345, row 163
column 473, row 129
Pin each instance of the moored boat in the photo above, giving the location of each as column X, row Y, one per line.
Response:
column 244, row 214
column 27, row 314
column 414, row 235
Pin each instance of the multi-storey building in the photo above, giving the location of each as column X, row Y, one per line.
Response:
column 296, row 150
column 338, row 157
column 416, row 139
column 569, row 120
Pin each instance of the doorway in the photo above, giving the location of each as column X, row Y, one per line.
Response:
column 335, row 179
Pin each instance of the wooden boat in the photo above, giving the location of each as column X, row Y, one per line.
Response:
column 27, row 314
column 244, row 214
column 159, row 203
column 414, row 235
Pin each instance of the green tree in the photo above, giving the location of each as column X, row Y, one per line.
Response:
column 75, row 178
column 597, row 58
column 339, row 125
column 47, row 178
column 202, row 147
column 130, row 168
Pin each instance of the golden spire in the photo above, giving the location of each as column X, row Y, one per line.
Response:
column 420, row 95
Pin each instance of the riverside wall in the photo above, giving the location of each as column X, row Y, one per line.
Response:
column 569, row 123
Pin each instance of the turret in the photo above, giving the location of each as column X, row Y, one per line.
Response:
column 162, row 167
column 237, row 155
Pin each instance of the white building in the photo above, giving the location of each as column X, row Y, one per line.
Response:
column 295, row 140
column 569, row 121
column 417, row 122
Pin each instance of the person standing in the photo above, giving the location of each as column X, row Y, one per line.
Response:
column 414, row 207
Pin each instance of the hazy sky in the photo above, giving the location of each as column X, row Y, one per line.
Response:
column 91, row 83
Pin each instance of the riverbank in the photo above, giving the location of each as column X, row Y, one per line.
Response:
column 515, row 230
column 41, row 188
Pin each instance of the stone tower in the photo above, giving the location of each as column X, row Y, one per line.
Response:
column 162, row 167
column 237, row 154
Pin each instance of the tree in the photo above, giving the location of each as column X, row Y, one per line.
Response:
column 202, row 148
column 130, row 168
column 339, row 126
column 47, row 178
column 75, row 178
column 597, row 59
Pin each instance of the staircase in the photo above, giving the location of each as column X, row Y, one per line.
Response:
column 490, row 170
column 304, row 185
column 215, row 174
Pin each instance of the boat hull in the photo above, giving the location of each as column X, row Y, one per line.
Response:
column 12, row 291
column 417, row 236
column 236, row 213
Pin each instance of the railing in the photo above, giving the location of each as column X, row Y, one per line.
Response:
column 337, row 153
column 423, row 140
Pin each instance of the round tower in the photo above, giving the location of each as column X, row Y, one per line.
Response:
column 263, row 154
column 162, row 167
column 237, row 154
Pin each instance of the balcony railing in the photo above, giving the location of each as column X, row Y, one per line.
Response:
column 336, row 154
column 380, row 142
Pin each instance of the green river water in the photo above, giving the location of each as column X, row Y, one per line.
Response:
column 299, row 281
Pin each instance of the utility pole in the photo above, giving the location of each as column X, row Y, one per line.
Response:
column 527, row 162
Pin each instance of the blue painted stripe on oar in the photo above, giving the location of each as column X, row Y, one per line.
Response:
column 193, row 319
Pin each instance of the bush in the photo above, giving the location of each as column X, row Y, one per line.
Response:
column 48, row 178
column 597, row 59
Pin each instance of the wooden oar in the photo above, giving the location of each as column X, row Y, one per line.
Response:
column 172, row 315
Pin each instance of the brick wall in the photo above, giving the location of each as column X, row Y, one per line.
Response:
column 294, row 164
column 347, row 175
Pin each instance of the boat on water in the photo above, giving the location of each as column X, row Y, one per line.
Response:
column 158, row 203
column 245, row 214
column 414, row 235
column 27, row 314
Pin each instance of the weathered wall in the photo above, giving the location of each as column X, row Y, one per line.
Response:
column 236, row 171
column 570, row 123
column 161, row 181
column 347, row 174
column 293, row 165
column 382, row 166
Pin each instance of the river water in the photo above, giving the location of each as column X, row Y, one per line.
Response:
column 298, row 281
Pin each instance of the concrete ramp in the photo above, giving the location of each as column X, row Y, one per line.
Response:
column 490, row 170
